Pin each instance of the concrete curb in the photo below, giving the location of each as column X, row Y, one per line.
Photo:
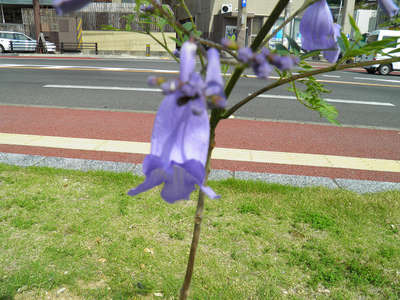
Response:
column 358, row 186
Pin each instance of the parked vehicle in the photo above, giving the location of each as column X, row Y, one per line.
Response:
column 385, row 69
column 11, row 41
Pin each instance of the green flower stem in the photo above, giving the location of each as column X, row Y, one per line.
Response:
column 164, row 46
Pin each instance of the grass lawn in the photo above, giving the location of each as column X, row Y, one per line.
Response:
column 76, row 235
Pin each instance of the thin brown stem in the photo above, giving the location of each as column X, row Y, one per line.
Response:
column 215, row 117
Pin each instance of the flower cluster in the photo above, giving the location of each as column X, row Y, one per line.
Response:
column 180, row 138
column 389, row 7
column 263, row 62
column 319, row 32
column 66, row 6
column 149, row 8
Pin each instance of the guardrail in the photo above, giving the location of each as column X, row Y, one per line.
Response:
column 77, row 47
column 22, row 46
column 30, row 46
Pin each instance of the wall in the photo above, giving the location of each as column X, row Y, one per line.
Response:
column 126, row 41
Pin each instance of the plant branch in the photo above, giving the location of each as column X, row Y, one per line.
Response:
column 282, row 81
column 199, row 213
column 162, row 45
column 183, row 3
column 256, row 43
column 279, row 8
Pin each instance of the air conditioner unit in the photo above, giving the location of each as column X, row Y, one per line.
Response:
column 226, row 8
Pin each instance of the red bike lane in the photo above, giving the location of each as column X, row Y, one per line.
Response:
column 285, row 137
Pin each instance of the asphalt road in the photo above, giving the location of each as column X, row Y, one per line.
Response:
column 115, row 84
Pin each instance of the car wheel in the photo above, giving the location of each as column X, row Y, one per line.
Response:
column 2, row 49
column 384, row 69
column 370, row 71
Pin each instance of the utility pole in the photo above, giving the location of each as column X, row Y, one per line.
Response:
column 288, row 28
column 348, row 9
column 36, row 17
column 241, row 23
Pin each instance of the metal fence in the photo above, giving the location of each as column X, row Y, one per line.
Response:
column 78, row 47
column 16, row 46
column 97, row 15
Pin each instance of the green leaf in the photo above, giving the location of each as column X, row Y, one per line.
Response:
column 395, row 51
column 188, row 26
column 281, row 49
column 293, row 45
column 311, row 98
column 343, row 42
column 197, row 33
column 177, row 41
column 354, row 25
column 109, row 27
column 310, row 54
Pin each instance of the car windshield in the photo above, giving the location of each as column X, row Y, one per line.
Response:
column 21, row 37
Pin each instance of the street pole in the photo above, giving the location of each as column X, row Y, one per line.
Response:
column 2, row 13
column 241, row 23
column 287, row 29
column 348, row 9
column 36, row 17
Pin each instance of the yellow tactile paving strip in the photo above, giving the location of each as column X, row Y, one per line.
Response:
column 246, row 155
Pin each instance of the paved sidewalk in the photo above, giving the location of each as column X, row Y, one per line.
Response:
column 288, row 153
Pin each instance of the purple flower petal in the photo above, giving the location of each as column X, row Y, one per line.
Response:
column 66, row 6
column 283, row 62
column 389, row 7
column 214, row 81
column 316, row 27
column 155, row 175
column 245, row 54
column 178, row 134
column 188, row 60
column 209, row 192
column 318, row 31
column 179, row 184
column 333, row 55
column 214, row 67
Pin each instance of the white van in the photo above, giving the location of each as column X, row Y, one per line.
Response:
column 379, row 35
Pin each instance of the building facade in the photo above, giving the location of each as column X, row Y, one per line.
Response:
column 218, row 18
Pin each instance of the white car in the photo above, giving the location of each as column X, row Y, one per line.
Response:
column 11, row 41
column 380, row 35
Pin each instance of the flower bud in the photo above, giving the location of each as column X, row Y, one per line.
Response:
column 230, row 44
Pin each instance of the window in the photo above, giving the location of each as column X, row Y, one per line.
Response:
column 21, row 37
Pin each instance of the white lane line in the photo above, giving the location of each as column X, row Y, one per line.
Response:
column 377, row 79
column 332, row 76
column 330, row 100
column 90, row 68
column 91, row 87
column 56, row 67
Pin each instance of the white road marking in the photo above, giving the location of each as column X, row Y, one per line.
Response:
column 332, row 76
column 56, row 67
column 330, row 100
column 90, row 68
column 377, row 79
column 91, row 87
